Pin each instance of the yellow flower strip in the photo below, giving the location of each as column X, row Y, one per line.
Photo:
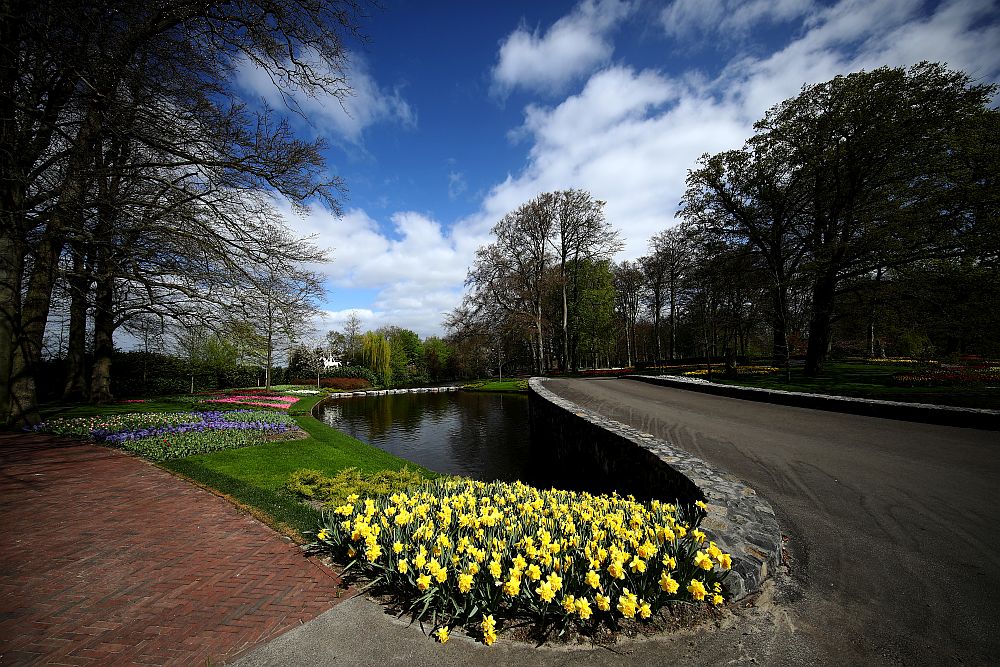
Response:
column 466, row 549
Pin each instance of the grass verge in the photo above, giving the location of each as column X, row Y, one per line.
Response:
column 516, row 384
column 253, row 477
column 860, row 380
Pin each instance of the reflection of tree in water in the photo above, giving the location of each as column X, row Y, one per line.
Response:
column 491, row 435
column 484, row 436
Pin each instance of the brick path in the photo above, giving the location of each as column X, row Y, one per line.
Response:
column 106, row 559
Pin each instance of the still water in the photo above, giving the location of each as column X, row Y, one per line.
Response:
column 480, row 435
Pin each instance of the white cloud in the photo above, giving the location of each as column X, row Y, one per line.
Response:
column 687, row 19
column 629, row 137
column 367, row 103
column 415, row 267
column 572, row 47
column 456, row 184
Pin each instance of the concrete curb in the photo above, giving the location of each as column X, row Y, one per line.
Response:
column 915, row 412
column 739, row 521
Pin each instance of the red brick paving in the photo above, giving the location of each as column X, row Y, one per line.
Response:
column 107, row 560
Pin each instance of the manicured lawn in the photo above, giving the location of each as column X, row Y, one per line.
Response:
column 516, row 384
column 863, row 380
column 254, row 476
column 166, row 404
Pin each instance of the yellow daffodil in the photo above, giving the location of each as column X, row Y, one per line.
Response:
column 583, row 609
column 696, row 589
column 627, row 603
column 442, row 634
column 667, row 583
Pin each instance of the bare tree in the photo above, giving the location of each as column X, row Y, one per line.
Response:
column 580, row 234
column 628, row 281
column 67, row 71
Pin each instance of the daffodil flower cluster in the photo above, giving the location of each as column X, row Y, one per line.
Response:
column 469, row 552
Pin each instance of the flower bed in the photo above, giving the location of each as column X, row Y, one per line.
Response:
column 480, row 555
column 170, row 435
column 255, row 398
column 975, row 376
column 740, row 371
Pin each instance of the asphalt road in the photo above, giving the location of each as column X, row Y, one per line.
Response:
column 893, row 527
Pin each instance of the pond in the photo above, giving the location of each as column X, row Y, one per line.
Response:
column 475, row 434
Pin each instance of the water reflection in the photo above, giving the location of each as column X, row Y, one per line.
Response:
column 479, row 435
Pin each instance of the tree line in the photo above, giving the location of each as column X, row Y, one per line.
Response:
column 860, row 218
column 135, row 184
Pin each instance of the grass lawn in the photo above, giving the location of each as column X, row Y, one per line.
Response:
column 166, row 404
column 861, row 380
column 515, row 384
column 253, row 477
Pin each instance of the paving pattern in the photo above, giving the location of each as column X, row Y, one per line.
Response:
column 109, row 560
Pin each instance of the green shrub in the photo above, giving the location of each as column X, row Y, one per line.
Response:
column 351, row 372
column 335, row 490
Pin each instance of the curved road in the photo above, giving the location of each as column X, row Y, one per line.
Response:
column 893, row 527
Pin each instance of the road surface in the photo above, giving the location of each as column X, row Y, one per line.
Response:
column 893, row 528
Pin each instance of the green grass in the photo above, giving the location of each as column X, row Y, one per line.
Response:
column 515, row 384
column 861, row 380
column 254, row 476
column 165, row 404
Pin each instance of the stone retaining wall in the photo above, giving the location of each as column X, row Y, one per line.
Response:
column 741, row 522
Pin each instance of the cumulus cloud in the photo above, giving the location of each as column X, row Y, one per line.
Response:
column 687, row 19
column 629, row 136
column 456, row 184
column 367, row 103
column 413, row 265
column 572, row 47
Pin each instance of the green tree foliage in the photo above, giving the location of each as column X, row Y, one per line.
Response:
column 869, row 171
column 377, row 354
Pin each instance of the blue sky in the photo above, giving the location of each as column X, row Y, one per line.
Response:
column 462, row 111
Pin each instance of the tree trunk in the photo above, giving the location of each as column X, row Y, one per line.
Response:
column 270, row 354
column 673, row 321
column 779, row 326
column 565, row 323
column 37, row 300
column 11, row 271
column 104, row 329
column 820, row 324
column 34, row 315
column 541, row 340
column 76, row 349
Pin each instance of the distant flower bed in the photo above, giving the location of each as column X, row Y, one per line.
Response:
column 740, row 370
column 601, row 372
column 482, row 555
column 170, row 435
column 257, row 398
column 949, row 377
column 898, row 361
